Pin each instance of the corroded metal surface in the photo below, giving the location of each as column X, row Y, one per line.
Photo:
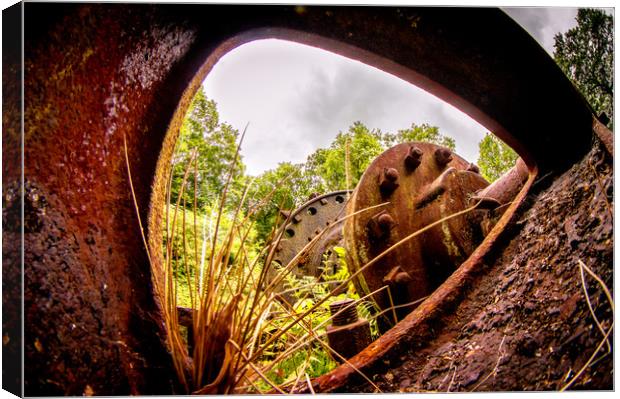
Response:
column 604, row 134
column 318, row 216
column 305, row 223
column 12, row 250
column 504, row 189
column 416, row 327
column 347, row 334
column 96, row 73
column 419, row 193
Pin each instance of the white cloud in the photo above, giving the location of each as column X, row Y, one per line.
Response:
column 297, row 98
column 544, row 23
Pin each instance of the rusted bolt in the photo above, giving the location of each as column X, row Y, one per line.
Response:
column 287, row 213
column 443, row 156
column 390, row 174
column 385, row 221
column 473, row 168
column 379, row 226
column 343, row 312
column 389, row 181
column 398, row 280
column 348, row 334
column 397, row 276
column 412, row 159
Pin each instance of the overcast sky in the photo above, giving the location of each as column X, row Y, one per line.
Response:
column 297, row 98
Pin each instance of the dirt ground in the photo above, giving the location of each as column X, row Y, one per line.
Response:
column 525, row 324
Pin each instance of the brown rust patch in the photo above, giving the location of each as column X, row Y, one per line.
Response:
column 417, row 328
column 95, row 73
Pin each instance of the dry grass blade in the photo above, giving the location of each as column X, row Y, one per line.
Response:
column 605, row 335
column 299, row 374
column 451, row 380
column 589, row 303
column 601, row 283
column 309, row 384
column 179, row 354
column 367, row 265
column 590, row 360
column 320, row 302
column 445, row 378
column 500, row 356
column 133, row 197
column 264, row 377
column 308, row 339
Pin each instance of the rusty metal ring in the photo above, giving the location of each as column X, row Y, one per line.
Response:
column 132, row 70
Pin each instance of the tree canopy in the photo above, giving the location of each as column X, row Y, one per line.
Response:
column 337, row 167
column 215, row 144
column 423, row 132
column 495, row 157
column 363, row 146
column 586, row 55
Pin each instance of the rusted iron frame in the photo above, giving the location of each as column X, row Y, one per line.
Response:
column 413, row 329
column 307, row 204
column 503, row 80
column 504, row 119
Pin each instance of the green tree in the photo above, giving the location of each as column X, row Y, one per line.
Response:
column 215, row 144
column 283, row 188
column 327, row 166
column 586, row 55
column 495, row 157
column 325, row 170
column 363, row 146
column 423, row 132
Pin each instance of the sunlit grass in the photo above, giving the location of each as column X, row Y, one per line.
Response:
column 240, row 331
column 244, row 339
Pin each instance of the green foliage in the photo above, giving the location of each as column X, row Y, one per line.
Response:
column 215, row 144
column 287, row 371
column 190, row 255
column 364, row 145
column 285, row 187
column 586, row 55
column 315, row 359
column 328, row 165
column 423, row 132
column 495, row 157
column 325, row 169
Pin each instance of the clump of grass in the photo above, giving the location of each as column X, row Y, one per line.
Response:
column 244, row 340
column 233, row 303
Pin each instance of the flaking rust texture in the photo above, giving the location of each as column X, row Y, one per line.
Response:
column 524, row 323
column 11, row 207
column 95, row 73
column 92, row 325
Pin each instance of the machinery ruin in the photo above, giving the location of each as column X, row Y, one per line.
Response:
column 504, row 306
column 423, row 187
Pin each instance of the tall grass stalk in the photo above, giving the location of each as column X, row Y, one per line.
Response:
column 237, row 320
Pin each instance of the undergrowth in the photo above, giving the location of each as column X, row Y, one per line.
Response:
column 245, row 340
